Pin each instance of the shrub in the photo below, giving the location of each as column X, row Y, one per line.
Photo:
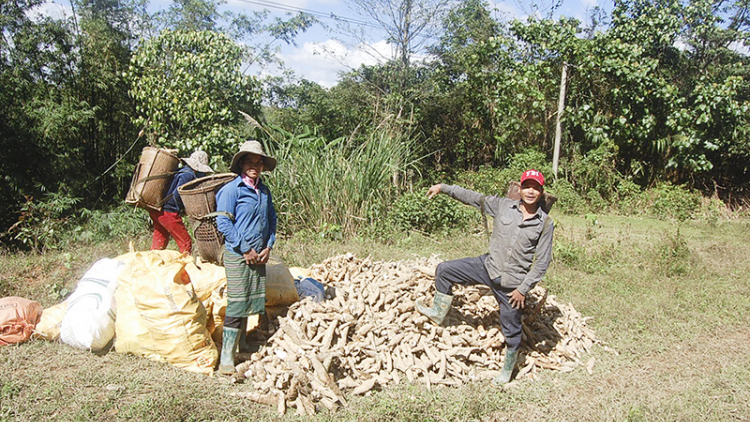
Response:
column 438, row 215
column 629, row 199
column 568, row 252
column 676, row 202
column 595, row 201
column 712, row 209
column 495, row 181
column 42, row 223
column 101, row 225
column 594, row 171
column 568, row 200
column 674, row 257
column 486, row 180
column 530, row 159
column 54, row 223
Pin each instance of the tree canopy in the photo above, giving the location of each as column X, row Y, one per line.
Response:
column 657, row 91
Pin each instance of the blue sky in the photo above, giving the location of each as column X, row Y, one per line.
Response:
column 320, row 54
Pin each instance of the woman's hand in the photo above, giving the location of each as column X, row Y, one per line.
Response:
column 251, row 257
column 264, row 255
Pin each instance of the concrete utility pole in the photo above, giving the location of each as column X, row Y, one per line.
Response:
column 560, row 108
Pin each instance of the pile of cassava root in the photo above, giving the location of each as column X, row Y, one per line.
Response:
column 368, row 335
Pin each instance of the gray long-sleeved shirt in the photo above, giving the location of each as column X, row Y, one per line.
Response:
column 520, row 250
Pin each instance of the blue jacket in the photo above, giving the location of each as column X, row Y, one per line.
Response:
column 174, row 202
column 254, row 224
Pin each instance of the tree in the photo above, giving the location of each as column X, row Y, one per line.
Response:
column 408, row 24
column 193, row 15
column 259, row 34
column 471, row 57
column 189, row 90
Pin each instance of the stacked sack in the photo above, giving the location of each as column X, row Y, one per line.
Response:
column 159, row 313
column 161, row 305
column 18, row 317
column 89, row 321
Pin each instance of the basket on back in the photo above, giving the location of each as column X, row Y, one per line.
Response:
column 151, row 178
column 199, row 198
column 546, row 201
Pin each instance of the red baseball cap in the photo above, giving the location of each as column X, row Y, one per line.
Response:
column 533, row 175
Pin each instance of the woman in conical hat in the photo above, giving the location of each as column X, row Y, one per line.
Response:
column 248, row 222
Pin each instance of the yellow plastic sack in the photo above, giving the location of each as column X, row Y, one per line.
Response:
column 206, row 278
column 159, row 315
column 49, row 326
column 218, row 312
column 165, row 255
column 298, row 272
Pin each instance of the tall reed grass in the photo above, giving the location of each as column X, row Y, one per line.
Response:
column 337, row 185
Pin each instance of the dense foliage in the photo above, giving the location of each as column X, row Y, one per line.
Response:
column 657, row 99
column 188, row 87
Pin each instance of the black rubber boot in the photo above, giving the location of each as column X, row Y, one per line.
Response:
column 244, row 347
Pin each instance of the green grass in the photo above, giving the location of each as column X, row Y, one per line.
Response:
column 672, row 298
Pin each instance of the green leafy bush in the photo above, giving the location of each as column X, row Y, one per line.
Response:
column 530, row 159
column 593, row 172
column 486, row 180
column 676, row 202
column 42, row 223
column 568, row 200
column 54, row 223
column 674, row 257
column 495, row 181
column 416, row 211
column 595, row 201
column 629, row 199
column 712, row 209
column 568, row 252
column 121, row 222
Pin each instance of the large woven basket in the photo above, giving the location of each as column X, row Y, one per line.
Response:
column 546, row 202
column 199, row 195
column 209, row 242
column 151, row 178
column 199, row 198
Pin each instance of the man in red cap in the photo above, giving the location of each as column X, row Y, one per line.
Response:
column 520, row 252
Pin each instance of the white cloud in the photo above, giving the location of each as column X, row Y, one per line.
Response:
column 52, row 10
column 322, row 62
column 739, row 47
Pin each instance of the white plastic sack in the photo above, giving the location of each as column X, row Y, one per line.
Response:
column 89, row 321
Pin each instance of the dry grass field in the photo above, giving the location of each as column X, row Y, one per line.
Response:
column 673, row 299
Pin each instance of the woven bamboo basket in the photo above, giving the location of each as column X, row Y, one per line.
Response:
column 209, row 242
column 199, row 195
column 151, row 178
column 546, row 202
column 199, row 198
